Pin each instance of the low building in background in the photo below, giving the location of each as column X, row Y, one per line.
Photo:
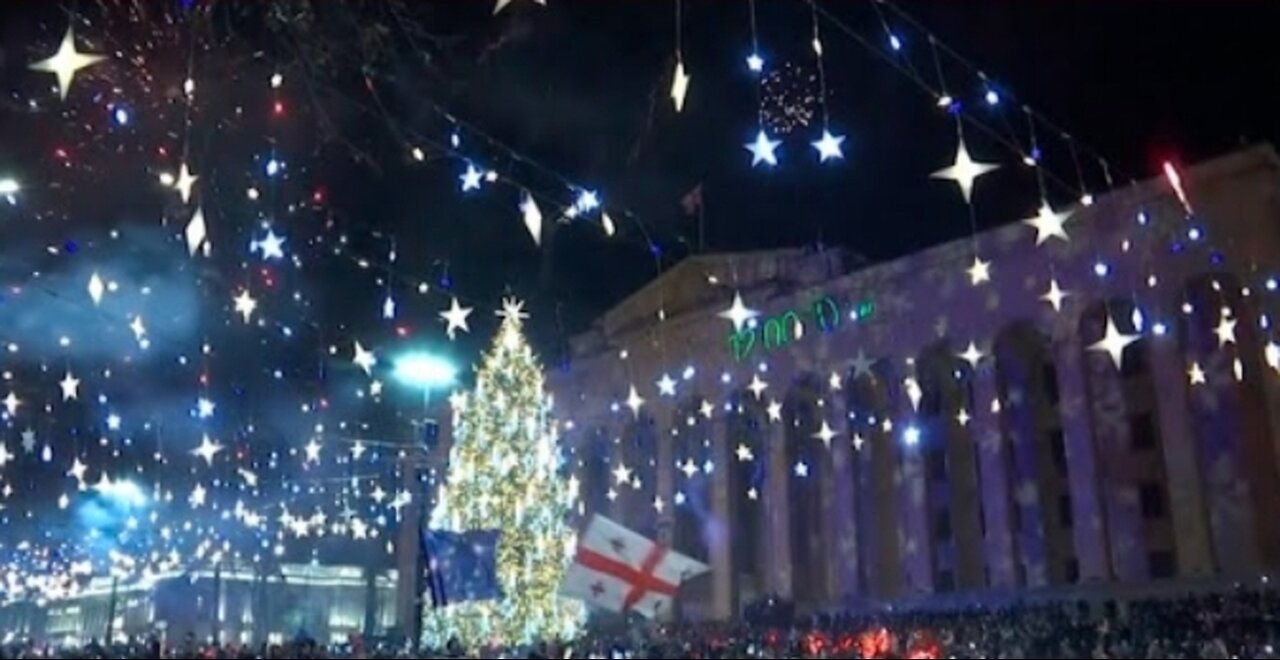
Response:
column 330, row 604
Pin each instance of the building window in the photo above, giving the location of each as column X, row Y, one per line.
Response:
column 942, row 526
column 1143, row 428
column 1049, row 380
column 1066, row 511
column 1162, row 564
column 1071, row 571
column 937, row 463
column 944, row 582
column 1151, row 496
column 1058, row 444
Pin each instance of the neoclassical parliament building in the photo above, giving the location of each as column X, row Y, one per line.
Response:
column 1100, row 409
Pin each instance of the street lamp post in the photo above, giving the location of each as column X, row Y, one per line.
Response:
column 428, row 372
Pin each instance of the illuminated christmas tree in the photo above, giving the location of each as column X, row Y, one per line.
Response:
column 505, row 474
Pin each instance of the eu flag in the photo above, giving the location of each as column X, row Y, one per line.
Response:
column 461, row 567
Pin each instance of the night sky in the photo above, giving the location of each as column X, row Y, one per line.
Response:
column 554, row 100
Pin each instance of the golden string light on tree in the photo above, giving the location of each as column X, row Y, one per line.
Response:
column 506, row 474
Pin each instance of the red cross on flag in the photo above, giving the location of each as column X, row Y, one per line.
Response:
column 619, row 570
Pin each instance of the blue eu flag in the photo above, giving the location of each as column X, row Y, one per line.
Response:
column 461, row 567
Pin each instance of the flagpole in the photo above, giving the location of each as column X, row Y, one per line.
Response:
column 702, row 222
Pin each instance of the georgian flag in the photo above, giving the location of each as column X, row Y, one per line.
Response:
column 619, row 570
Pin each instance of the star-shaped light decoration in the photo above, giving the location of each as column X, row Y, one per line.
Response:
column 862, row 365
column 138, row 327
column 513, row 308
column 973, row 355
column 5, row 456
column 70, row 387
column 1055, row 295
column 205, row 407
column 753, row 494
column 964, row 171
column 456, row 318
column 666, row 385
column 113, row 422
column 1272, row 353
column 858, row 442
column 78, row 468
column 1114, row 342
column 29, row 441
column 471, row 178
column 1226, row 331
column 739, row 314
column 271, row 246
column 744, row 453
column 707, row 409
column 1049, row 224
column 757, row 386
column 830, row 147
column 11, row 403
column 980, row 271
column 250, row 478
column 801, row 469
column 763, row 149
column 775, row 411
column 622, row 474
column 1196, row 374
column 679, row 84
column 689, row 468
column 532, row 216
column 502, row 4
column 246, row 304
column 634, row 401
column 67, row 62
column 835, row 382
column 826, row 434
column 312, row 451
column 207, row 450
column 96, row 288
column 658, row 504
column 963, row 417
column 365, row 359
column 185, row 181
column 197, row 233
column 198, row 496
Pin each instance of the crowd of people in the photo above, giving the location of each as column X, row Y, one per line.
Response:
column 1240, row 624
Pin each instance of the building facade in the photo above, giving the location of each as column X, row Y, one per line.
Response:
column 330, row 604
column 1102, row 409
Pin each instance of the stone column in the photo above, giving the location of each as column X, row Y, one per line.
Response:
column 664, row 490
column 993, row 462
column 913, row 493
column 724, row 575
column 777, row 508
column 1186, row 484
column 1077, row 429
column 664, row 472
column 839, row 505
